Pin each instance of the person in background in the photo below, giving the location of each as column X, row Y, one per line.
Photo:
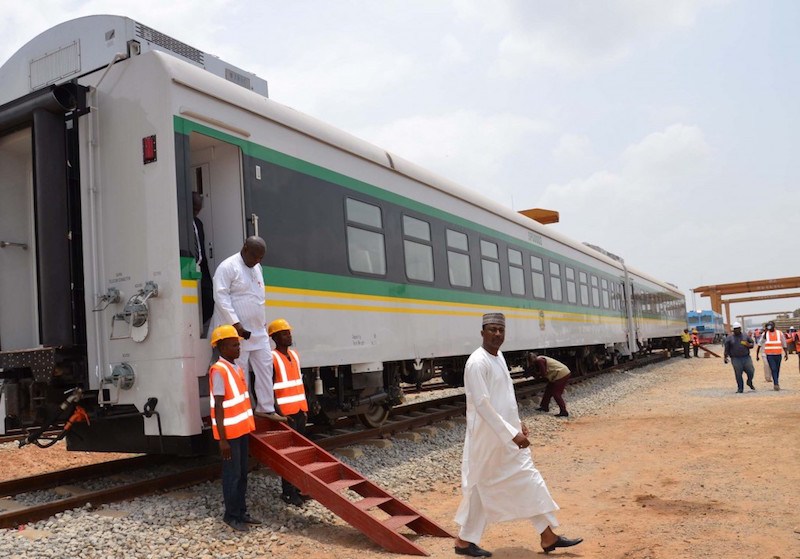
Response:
column 556, row 374
column 774, row 343
column 206, row 285
column 695, row 341
column 791, row 340
column 239, row 300
column 686, row 340
column 498, row 479
column 290, row 395
column 737, row 348
column 231, row 424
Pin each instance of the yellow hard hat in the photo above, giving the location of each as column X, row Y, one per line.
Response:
column 278, row 326
column 223, row 332
column 694, row 330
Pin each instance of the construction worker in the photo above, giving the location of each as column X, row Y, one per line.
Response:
column 774, row 343
column 686, row 339
column 231, row 423
column 695, row 341
column 290, row 395
column 791, row 340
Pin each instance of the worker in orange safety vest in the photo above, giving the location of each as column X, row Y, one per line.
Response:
column 774, row 343
column 695, row 341
column 290, row 395
column 791, row 340
column 231, row 424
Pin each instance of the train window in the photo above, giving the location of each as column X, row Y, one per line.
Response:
column 583, row 279
column 490, row 266
column 516, row 274
column 572, row 296
column 418, row 254
column 595, row 292
column 604, row 287
column 555, row 281
column 537, row 277
column 416, row 228
column 458, row 267
column 365, row 245
column 457, row 240
column 363, row 213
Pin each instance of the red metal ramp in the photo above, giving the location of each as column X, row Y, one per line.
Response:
column 339, row 488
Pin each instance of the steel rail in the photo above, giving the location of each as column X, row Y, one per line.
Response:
column 122, row 492
column 419, row 414
column 48, row 480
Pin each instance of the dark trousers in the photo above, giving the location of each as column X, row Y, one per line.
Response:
column 774, row 361
column 297, row 422
column 685, row 349
column 695, row 348
column 554, row 390
column 234, row 479
column 743, row 365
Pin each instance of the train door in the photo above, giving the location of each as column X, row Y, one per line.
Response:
column 216, row 171
column 19, row 313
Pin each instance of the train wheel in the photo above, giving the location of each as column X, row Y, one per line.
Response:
column 375, row 416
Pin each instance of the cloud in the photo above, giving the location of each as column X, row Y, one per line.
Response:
column 346, row 70
column 573, row 149
column 453, row 50
column 651, row 193
column 471, row 148
column 575, row 36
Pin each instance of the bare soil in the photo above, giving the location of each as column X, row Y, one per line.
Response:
column 685, row 469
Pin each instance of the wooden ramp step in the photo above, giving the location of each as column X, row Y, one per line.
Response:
column 320, row 475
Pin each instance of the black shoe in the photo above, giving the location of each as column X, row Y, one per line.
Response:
column 750, row 384
column 250, row 520
column 540, row 408
column 473, row 551
column 562, row 542
column 237, row 525
column 562, row 414
column 739, row 391
column 292, row 499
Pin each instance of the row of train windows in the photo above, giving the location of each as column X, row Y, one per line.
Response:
column 366, row 254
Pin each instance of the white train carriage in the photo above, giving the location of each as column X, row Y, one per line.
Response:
column 382, row 268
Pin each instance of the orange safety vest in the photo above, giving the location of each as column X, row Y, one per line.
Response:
column 289, row 392
column 772, row 342
column 236, row 406
column 695, row 339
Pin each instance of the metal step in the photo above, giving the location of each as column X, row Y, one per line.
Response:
column 320, row 475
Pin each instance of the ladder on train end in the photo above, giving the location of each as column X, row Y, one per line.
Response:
column 339, row 488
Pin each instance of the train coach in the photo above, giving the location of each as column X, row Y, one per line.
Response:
column 383, row 269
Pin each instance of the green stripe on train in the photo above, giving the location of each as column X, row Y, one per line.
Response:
column 186, row 127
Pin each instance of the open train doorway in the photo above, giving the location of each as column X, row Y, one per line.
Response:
column 19, row 312
column 216, row 174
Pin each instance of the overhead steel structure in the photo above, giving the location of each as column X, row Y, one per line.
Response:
column 716, row 292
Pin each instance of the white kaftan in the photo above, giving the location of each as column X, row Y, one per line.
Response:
column 494, row 471
column 239, row 297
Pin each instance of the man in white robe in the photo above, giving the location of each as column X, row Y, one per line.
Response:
column 498, row 479
column 239, row 301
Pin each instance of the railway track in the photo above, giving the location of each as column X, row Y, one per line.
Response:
column 420, row 414
column 402, row 418
column 191, row 474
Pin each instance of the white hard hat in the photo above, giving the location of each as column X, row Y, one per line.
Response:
column 736, row 325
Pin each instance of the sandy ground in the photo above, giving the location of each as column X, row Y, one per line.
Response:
column 686, row 469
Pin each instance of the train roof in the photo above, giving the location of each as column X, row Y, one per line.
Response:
column 80, row 46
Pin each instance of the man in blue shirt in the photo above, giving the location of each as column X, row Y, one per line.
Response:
column 737, row 347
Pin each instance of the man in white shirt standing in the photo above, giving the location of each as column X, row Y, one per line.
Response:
column 239, row 300
column 498, row 479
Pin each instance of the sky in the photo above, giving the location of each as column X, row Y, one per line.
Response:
column 664, row 132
